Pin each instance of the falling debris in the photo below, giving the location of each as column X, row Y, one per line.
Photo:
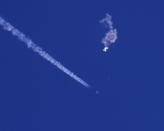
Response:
column 105, row 49
column 111, row 35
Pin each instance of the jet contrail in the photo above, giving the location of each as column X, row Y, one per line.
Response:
column 30, row 44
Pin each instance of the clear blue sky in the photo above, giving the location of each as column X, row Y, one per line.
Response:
column 36, row 96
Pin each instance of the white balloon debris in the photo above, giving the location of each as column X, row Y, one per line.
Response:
column 111, row 35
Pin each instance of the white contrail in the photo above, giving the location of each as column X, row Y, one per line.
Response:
column 30, row 44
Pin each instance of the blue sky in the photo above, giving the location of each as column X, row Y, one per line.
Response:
column 35, row 95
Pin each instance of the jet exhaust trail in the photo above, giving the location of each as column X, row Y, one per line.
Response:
column 37, row 49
